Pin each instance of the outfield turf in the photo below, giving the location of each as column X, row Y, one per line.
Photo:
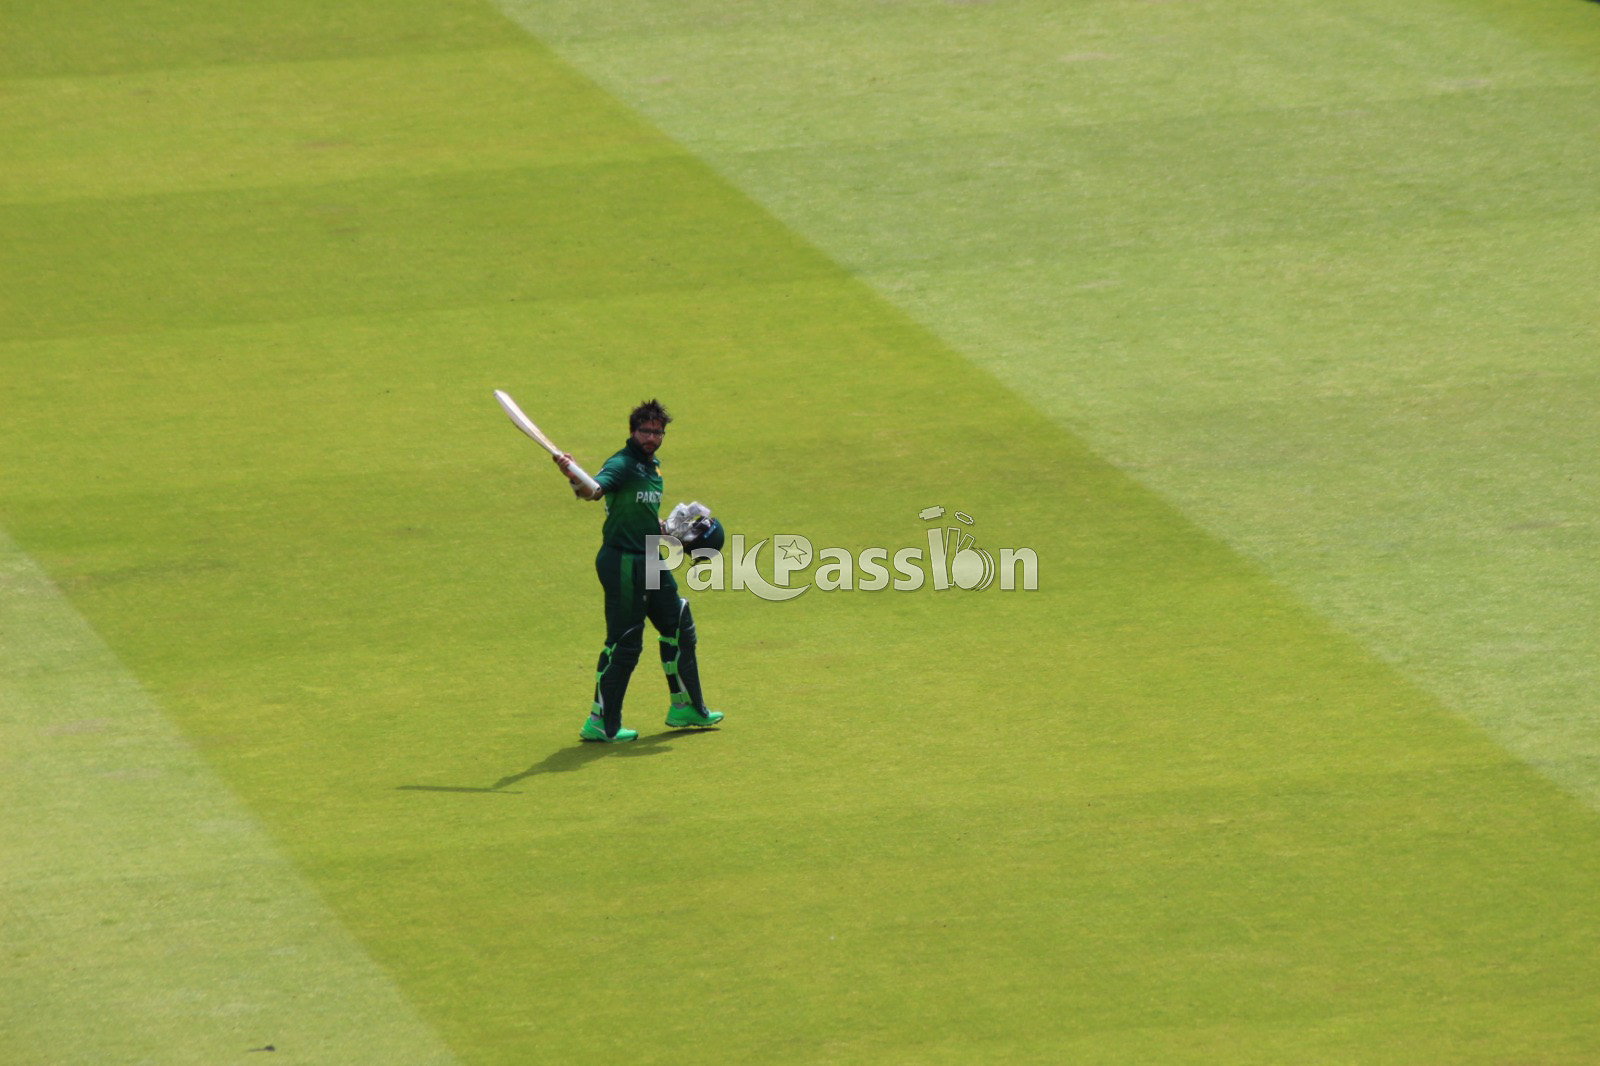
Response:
column 1316, row 273
column 309, row 777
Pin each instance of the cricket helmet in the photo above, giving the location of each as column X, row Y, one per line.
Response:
column 705, row 533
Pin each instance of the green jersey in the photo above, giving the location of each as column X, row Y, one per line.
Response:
column 631, row 481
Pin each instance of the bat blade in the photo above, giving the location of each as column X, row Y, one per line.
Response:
column 524, row 423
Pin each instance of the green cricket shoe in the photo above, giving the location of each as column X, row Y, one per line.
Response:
column 683, row 716
column 595, row 729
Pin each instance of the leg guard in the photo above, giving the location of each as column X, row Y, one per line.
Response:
column 611, row 675
column 678, row 661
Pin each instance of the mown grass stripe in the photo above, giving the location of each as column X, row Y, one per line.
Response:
column 149, row 918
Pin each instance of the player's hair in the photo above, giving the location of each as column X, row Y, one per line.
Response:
column 649, row 411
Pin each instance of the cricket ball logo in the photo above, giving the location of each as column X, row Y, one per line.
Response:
column 953, row 554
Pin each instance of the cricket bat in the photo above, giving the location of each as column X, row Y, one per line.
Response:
column 524, row 423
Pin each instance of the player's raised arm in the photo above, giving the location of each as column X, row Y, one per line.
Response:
column 579, row 489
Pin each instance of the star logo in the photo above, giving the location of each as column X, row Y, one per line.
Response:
column 794, row 550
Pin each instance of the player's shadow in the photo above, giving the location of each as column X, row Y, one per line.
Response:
column 575, row 757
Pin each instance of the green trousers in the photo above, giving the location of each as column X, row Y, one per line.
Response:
column 628, row 605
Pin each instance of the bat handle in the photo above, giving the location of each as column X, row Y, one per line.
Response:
column 575, row 472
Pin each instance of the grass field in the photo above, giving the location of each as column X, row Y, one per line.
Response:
column 1266, row 325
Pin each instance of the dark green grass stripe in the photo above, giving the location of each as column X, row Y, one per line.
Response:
column 95, row 37
column 375, row 247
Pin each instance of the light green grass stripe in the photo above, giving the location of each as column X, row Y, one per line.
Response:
column 148, row 917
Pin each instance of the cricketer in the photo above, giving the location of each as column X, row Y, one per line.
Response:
column 630, row 484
